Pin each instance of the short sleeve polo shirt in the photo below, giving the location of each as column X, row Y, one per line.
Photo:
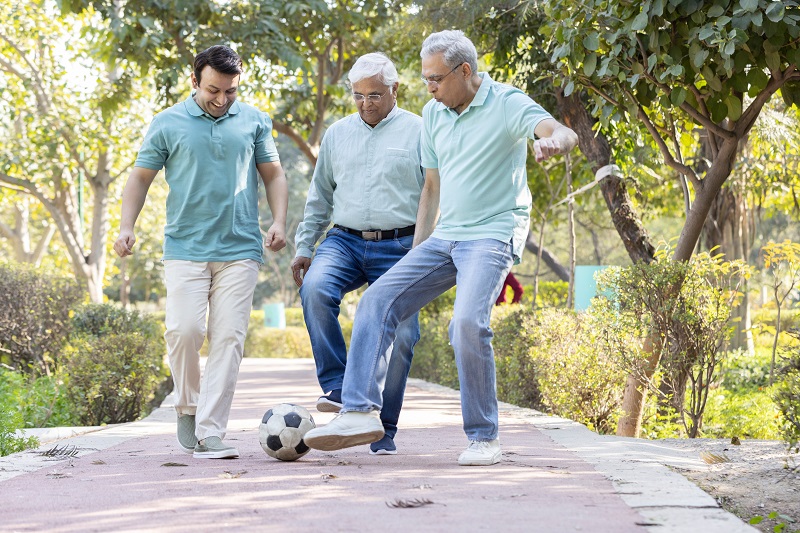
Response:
column 210, row 167
column 481, row 155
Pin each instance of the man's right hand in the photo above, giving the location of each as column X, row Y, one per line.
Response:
column 299, row 268
column 124, row 243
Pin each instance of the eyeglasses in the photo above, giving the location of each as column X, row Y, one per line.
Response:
column 374, row 98
column 436, row 80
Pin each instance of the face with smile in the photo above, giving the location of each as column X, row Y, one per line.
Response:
column 371, row 111
column 447, row 85
column 215, row 91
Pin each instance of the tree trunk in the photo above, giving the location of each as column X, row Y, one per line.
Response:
column 547, row 257
column 598, row 152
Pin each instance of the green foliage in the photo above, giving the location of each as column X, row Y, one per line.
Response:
column 292, row 342
column 545, row 361
column 750, row 414
column 683, row 309
column 11, row 417
column 114, row 364
column 42, row 401
column 551, row 294
column 35, row 310
column 787, row 394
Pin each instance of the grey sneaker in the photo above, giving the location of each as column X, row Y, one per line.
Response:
column 186, row 438
column 347, row 429
column 212, row 448
column 481, row 453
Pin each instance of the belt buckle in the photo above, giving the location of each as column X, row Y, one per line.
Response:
column 371, row 235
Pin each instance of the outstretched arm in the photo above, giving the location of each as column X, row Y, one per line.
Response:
column 553, row 138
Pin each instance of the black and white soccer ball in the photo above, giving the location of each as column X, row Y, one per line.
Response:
column 282, row 430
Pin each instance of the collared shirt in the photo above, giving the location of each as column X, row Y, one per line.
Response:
column 210, row 167
column 366, row 178
column 481, row 156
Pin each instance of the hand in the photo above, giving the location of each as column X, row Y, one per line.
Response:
column 124, row 243
column 299, row 268
column 275, row 239
column 546, row 148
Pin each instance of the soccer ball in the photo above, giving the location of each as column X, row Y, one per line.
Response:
column 282, row 430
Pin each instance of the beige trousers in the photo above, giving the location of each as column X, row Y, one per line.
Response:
column 222, row 293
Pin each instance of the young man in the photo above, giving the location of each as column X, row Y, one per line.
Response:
column 474, row 149
column 367, row 181
column 213, row 150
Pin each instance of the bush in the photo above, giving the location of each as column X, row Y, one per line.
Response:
column 114, row 364
column 787, row 395
column 546, row 361
column 42, row 401
column 750, row 414
column 292, row 342
column 11, row 417
column 34, row 316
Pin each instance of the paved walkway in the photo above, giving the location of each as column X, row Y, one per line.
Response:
column 556, row 476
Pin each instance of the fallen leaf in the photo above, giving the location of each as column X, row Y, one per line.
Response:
column 409, row 504
column 174, row 464
column 231, row 475
column 98, row 462
column 714, row 458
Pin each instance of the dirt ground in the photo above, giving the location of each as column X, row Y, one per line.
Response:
column 754, row 478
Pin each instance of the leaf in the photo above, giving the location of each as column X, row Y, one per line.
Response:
column 775, row 11
column 713, row 458
column 409, row 504
column 756, row 520
column 592, row 41
column 716, row 11
column 640, row 22
column 749, row 5
column 590, row 64
column 231, row 475
column 325, row 476
column 678, row 96
column 174, row 464
column 734, row 105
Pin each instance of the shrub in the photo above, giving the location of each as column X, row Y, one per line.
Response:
column 11, row 417
column 750, row 414
column 114, row 364
column 787, row 395
column 434, row 359
column 34, row 316
column 42, row 401
column 292, row 342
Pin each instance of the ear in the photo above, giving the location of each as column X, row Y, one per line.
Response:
column 195, row 85
column 466, row 70
column 394, row 88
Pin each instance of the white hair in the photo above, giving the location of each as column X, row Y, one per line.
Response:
column 454, row 45
column 375, row 63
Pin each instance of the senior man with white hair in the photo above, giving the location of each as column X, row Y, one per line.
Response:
column 367, row 182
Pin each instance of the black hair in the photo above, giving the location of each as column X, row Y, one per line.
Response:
column 219, row 57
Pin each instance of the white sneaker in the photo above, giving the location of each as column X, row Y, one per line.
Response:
column 347, row 429
column 481, row 453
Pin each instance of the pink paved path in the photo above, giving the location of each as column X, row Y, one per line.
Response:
column 539, row 485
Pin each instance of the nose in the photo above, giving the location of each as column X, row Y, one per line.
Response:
column 432, row 86
column 221, row 99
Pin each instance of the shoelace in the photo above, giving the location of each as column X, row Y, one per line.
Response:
column 478, row 445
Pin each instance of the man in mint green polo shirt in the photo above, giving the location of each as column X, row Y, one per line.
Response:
column 474, row 149
column 213, row 150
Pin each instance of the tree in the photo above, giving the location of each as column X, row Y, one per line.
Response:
column 61, row 126
column 682, row 69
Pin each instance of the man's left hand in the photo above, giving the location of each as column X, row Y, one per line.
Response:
column 275, row 239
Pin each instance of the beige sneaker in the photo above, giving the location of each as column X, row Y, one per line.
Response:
column 481, row 453
column 347, row 429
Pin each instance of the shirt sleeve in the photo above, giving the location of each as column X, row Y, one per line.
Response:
column 428, row 153
column 319, row 204
column 265, row 149
column 522, row 115
column 153, row 153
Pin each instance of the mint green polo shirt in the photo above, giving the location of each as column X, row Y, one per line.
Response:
column 210, row 167
column 480, row 155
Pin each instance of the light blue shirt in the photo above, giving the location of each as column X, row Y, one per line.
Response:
column 366, row 178
column 480, row 155
column 210, row 167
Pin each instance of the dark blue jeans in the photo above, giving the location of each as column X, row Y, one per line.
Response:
column 343, row 263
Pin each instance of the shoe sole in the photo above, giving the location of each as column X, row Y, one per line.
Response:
column 383, row 452
column 327, row 406
column 218, row 454
column 481, row 462
column 328, row 443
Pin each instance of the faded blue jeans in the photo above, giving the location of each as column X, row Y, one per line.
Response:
column 343, row 263
column 478, row 268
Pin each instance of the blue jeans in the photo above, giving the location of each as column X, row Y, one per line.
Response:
column 343, row 263
column 478, row 268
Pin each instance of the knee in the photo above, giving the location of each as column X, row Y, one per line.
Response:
column 316, row 292
column 185, row 330
column 467, row 329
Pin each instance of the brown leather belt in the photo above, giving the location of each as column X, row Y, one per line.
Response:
column 379, row 234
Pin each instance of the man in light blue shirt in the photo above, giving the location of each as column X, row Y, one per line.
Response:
column 214, row 151
column 474, row 147
column 367, row 182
